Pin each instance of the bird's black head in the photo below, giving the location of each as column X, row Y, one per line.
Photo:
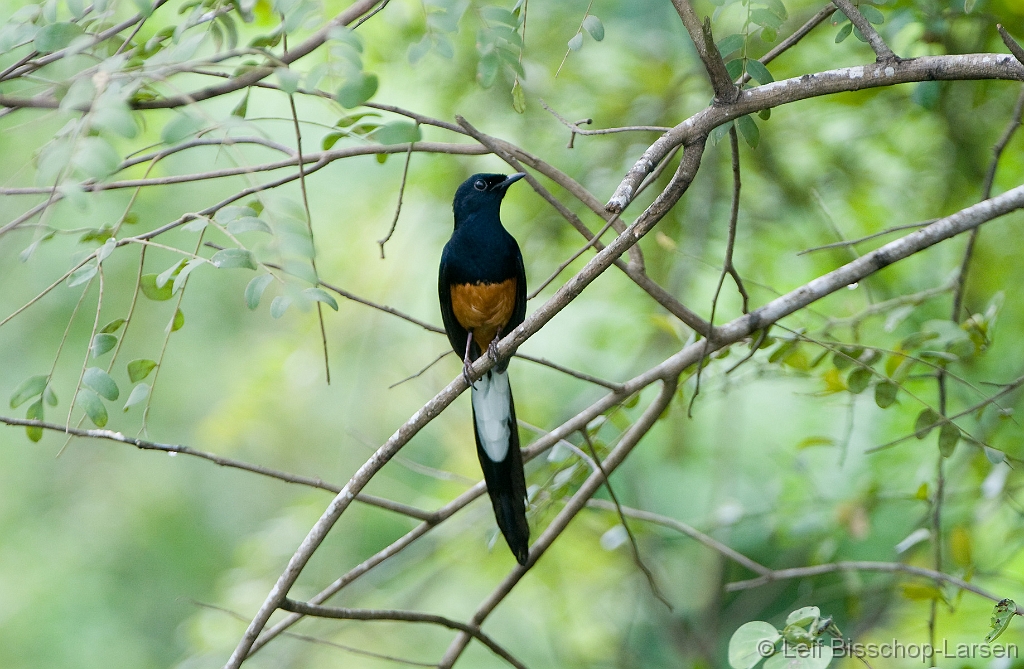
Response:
column 481, row 194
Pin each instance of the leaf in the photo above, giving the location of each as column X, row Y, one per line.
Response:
column 357, row 90
column 113, row 326
column 949, row 435
column 233, row 258
column 28, row 389
column 102, row 343
column 815, row 441
column 248, row 224
column 147, row 282
column 593, row 25
column 137, row 395
column 500, row 15
column 288, row 79
column 777, row 8
column 55, row 36
column 254, row 290
column 802, row 657
column 1002, row 613
column 885, row 394
column 731, row 43
column 734, row 68
column 320, row 295
column 242, row 107
column 280, row 305
column 101, row 382
column 576, row 43
column 182, row 276
column 96, row 158
column 872, row 14
column 748, row 643
column 180, row 127
column 921, row 592
column 763, row 17
column 758, row 72
column 140, row 369
column 487, row 69
column 518, row 98
column 960, row 546
column 803, row 617
column 34, row 412
column 179, row 320
column 50, row 396
column 926, row 420
column 748, row 130
column 93, row 406
column 844, row 32
column 164, row 277
column 398, row 132
column 858, row 380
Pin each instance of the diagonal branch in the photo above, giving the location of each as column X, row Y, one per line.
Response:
column 725, row 91
column 875, row 41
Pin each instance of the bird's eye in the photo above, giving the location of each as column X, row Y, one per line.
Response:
column 480, row 184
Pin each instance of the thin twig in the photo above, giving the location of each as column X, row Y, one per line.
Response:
column 398, row 207
column 637, row 560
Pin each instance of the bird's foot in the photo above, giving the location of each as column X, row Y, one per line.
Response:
column 467, row 372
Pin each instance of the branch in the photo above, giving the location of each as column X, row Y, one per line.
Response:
column 878, row 45
column 886, row 567
column 145, row 445
column 778, row 93
column 725, row 91
column 403, row 616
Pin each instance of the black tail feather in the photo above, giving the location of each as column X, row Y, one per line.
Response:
column 506, row 485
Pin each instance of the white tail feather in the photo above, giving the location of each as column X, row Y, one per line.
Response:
column 492, row 401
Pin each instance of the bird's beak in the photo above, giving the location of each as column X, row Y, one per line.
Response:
column 509, row 180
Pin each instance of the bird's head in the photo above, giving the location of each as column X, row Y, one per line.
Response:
column 481, row 193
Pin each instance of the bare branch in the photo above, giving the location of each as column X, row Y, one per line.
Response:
column 725, row 91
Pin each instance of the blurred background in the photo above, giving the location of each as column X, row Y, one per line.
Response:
column 115, row 557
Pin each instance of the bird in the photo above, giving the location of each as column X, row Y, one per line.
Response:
column 482, row 290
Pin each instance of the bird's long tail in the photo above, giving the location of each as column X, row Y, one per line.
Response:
column 497, row 445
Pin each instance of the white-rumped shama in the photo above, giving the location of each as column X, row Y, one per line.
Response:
column 482, row 288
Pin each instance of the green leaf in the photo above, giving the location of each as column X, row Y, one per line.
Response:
column 844, row 32
column 182, row 276
column 1001, row 615
column 748, row 130
column 27, row 389
column 926, row 420
column 769, row 34
column 34, row 412
column 357, row 90
column 102, row 343
column 777, row 8
column 248, row 224
column 164, row 277
column 487, row 69
column 138, row 394
column 748, row 643
column 254, row 290
column 330, row 139
column 140, row 369
column 320, row 295
column 50, row 396
column 148, row 285
column 871, row 14
column 101, row 382
column 398, row 132
column 758, row 72
column 178, row 322
column 593, row 25
column 885, row 394
column 180, row 127
column 731, row 43
column 81, row 275
column 763, row 17
column 55, row 36
column 93, row 406
column 499, row 15
column 280, row 305
column 96, row 158
column 721, row 131
column 817, row 658
column 518, row 98
column 233, row 258
column 949, row 435
column 288, row 79
column 113, row 326
column 576, row 43
column 734, row 68
column 803, row 617
column 242, row 107
column 858, row 380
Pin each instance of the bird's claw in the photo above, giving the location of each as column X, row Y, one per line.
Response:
column 492, row 350
column 467, row 372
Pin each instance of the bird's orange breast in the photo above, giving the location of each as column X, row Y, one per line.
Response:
column 484, row 308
